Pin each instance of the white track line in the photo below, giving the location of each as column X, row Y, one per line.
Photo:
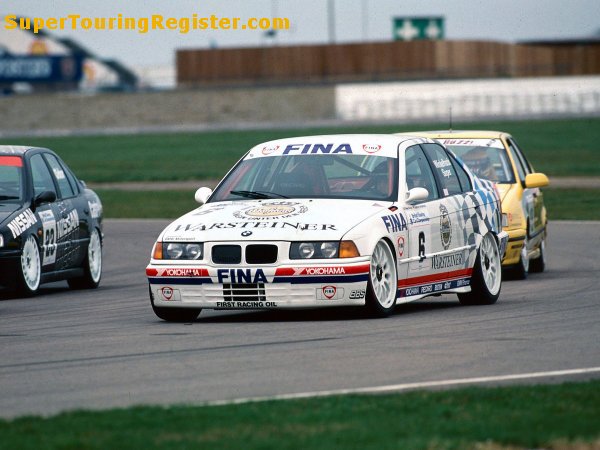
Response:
column 407, row 386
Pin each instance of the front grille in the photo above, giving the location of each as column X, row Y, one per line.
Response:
column 261, row 254
column 244, row 292
column 227, row 254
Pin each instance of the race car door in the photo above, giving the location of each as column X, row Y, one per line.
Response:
column 423, row 225
column 42, row 181
column 454, row 248
column 69, row 253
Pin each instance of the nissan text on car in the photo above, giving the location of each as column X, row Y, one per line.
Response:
column 50, row 223
column 495, row 156
column 324, row 221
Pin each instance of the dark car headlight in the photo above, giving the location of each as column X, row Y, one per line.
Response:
column 178, row 250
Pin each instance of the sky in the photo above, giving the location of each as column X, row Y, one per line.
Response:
column 354, row 21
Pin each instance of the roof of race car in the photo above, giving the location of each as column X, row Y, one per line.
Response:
column 15, row 149
column 361, row 144
column 460, row 134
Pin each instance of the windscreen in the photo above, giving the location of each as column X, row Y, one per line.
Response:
column 312, row 176
column 11, row 179
column 489, row 162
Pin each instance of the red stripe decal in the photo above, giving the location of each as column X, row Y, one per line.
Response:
column 321, row 270
column 184, row 272
column 435, row 277
column 13, row 161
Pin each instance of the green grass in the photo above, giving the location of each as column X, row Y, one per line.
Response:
column 576, row 204
column 526, row 416
column 146, row 204
column 557, row 147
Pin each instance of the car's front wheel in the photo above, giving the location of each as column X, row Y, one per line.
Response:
column 30, row 272
column 487, row 275
column 538, row 265
column 174, row 314
column 383, row 281
column 92, row 265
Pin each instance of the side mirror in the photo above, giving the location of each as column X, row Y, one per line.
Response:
column 536, row 180
column 416, row 195
column 45, row 197
column 202, row 195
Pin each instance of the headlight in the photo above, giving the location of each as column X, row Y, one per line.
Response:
column 178, row 250
column 1, row 241
column 314, row 250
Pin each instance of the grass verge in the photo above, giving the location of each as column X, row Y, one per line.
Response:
column 545, row 416
column 572, row 204
column 575, row 204
column 556, row 147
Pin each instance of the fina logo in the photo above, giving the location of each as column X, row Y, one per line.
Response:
column 167, row 293
column 329, row 292
column 445, row 227
column 269, row 150
column 371, row 148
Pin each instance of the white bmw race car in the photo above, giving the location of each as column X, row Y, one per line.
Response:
column 336, row 220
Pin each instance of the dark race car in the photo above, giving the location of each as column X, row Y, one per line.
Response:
column 50, row 223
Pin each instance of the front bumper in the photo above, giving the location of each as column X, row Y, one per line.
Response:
column 249, row 287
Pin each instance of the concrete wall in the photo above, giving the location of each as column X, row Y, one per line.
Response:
column 22, row 114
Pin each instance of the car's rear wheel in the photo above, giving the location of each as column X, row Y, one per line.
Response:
column 538, row 265
column 383, row 281
column 174, row 314
column 487, row 275
column 92, row 265
column 30, row 272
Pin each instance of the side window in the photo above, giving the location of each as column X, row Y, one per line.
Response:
column 517, row 160
column 65, row 188
column 521, row 157
column 40, row 175
column 463, row 177
column 418, row 172
column 443, row 168
column 72, row 180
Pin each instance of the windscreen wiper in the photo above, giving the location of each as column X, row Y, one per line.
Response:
column 257, row 194
column 8, row 197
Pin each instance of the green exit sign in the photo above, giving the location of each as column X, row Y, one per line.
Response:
column 414, row 28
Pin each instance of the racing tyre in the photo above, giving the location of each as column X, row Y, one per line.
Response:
column 30, row 268
column 383, row 281
column 538, row 265
column 174, row 314
column 92, row 265
column 487, row 275
column 521, row 269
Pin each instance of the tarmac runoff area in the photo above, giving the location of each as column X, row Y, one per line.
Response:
column 105, row 348
column 191, row 185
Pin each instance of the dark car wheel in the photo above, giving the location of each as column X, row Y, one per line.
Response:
column 92, row 265
column 30, row 268
column 487, row 275
column 538, row 265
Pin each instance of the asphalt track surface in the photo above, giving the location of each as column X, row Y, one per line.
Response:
column 65, row 350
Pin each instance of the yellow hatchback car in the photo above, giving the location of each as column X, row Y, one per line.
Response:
column 495, row 156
